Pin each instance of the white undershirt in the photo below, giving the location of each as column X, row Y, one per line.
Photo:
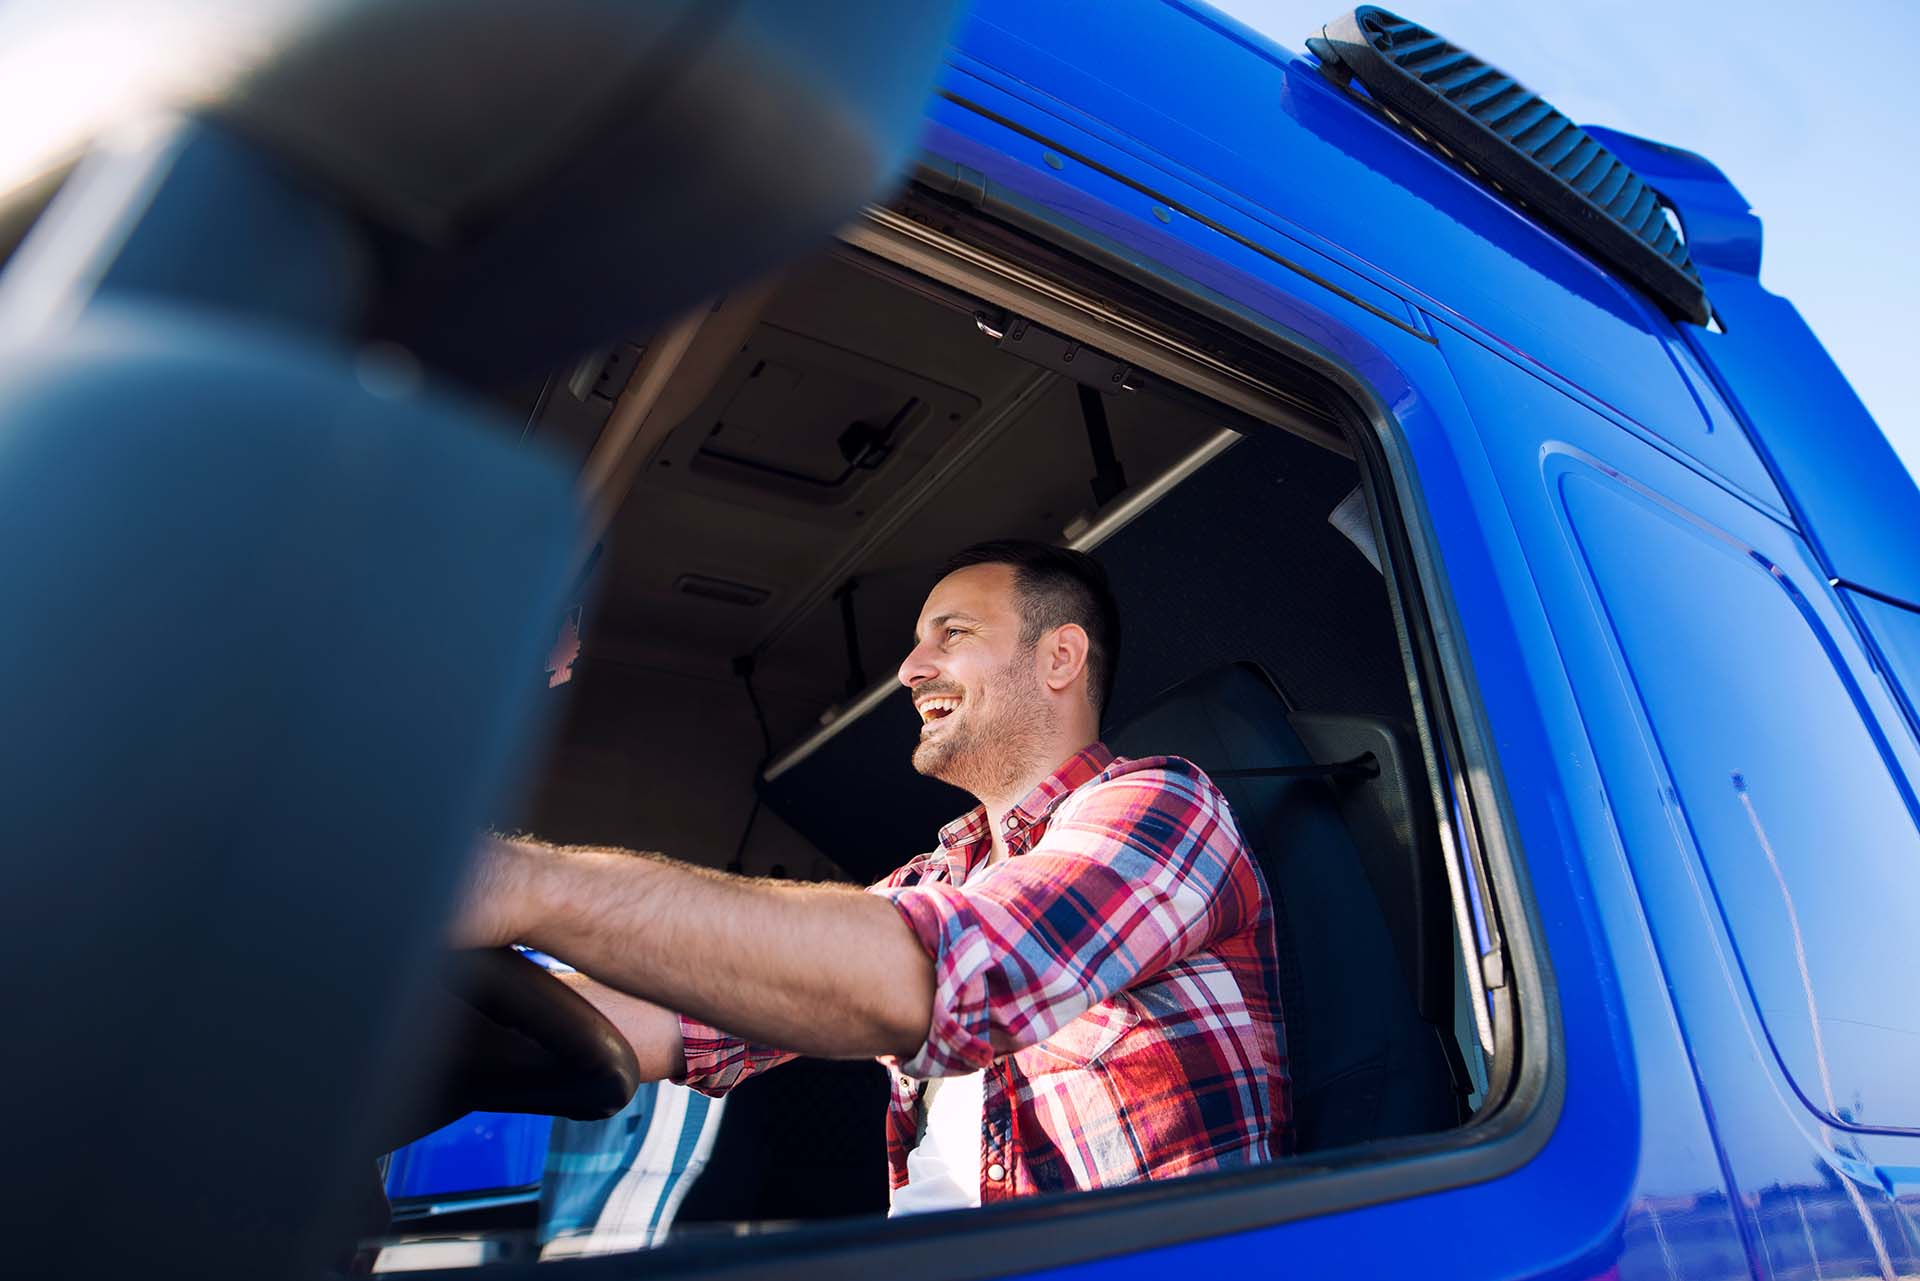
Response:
column 943, row 1169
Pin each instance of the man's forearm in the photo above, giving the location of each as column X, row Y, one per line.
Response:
column 816, row 969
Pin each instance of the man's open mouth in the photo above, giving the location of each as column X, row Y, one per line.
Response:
column 935, row 709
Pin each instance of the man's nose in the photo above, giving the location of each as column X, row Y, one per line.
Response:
column 916, row 667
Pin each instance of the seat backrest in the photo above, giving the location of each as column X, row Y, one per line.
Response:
column 1365, row 1064
column 1390, row 818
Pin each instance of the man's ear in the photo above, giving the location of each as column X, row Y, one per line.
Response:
column 1063, row 655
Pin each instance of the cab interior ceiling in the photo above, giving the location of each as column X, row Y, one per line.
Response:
column 793, row 466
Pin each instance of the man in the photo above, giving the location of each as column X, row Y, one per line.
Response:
column 1077, row 988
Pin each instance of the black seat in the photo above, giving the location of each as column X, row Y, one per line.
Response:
column 806, row 1140
column 1361, row 913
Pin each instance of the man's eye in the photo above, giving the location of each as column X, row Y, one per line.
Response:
column 955, row 631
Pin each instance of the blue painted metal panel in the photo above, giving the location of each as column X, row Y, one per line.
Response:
column 1896, row 631
column 1720, row 228
column 481, row 1152
column 1264, row 133
column 1853, row 496
column 1807, row 1194
column 1856, row 501
column 1722, row 443
column 1776, row 771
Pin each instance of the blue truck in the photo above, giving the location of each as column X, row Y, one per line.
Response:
column 1419, row 428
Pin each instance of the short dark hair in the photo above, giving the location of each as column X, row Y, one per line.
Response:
column 1056, row 586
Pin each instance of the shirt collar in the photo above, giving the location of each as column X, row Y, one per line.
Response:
column 968, row 839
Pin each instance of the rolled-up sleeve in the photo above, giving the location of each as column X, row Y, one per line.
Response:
column 1134, row 873
column 716, row 1061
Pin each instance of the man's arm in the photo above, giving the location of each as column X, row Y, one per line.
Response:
column 1135, row 874
column 818, row 969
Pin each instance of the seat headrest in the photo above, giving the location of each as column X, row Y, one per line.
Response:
column 1236, row 717
column 1227, row 717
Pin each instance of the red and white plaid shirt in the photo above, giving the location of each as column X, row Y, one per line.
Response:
column 1115, row 980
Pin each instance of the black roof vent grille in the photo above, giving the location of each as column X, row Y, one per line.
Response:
column 1509, row 134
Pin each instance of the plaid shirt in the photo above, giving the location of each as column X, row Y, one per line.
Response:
column 1115, row 980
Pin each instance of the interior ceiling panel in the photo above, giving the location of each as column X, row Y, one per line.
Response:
column 810, row 429
column 836, row 347
column 1031, row 483
column 668, row 528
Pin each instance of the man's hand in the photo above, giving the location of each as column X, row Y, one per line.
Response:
column 653, row 1033
column 496, row 909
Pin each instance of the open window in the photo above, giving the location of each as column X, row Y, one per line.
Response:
column 774, row 481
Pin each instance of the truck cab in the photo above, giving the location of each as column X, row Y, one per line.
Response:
column 1544, row 601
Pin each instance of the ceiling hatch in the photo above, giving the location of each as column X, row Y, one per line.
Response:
column 810, row 425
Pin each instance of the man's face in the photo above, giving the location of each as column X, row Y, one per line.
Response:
column 984, row 715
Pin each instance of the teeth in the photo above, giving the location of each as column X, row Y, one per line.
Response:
column 932, row 707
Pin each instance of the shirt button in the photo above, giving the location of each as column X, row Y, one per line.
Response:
column 996, row 1172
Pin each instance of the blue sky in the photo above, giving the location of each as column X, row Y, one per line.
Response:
column 1809, row 109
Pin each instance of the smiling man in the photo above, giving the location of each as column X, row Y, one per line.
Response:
column 1076, row 988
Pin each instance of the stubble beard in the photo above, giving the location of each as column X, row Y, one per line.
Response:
column 998, row 744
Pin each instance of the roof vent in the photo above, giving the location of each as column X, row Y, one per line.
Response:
column 1510, row 135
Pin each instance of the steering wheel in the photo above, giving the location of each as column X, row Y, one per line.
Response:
column 513, row 1038
column 526, row 1042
